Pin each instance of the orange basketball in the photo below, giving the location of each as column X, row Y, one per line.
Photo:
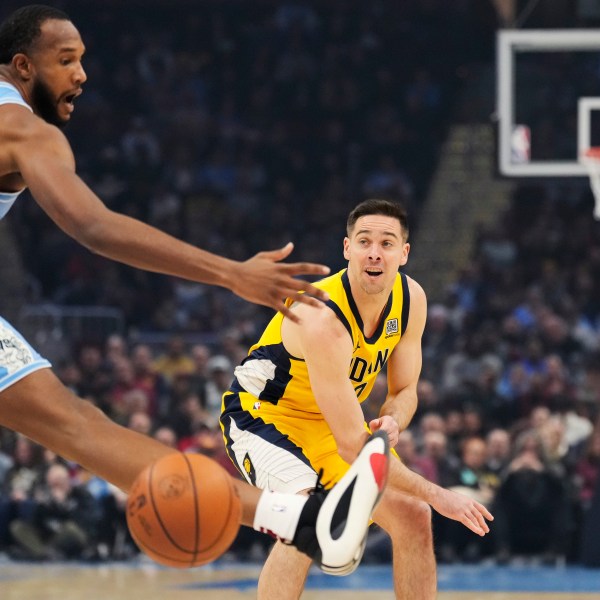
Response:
column 183, row 510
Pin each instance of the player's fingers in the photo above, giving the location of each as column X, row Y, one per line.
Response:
column 484, row 511
column 309, row 291
column 375, row 424
column 307, row 298
column 289, row 314
column 476, row 516
column 278, row 254
column 481, row 521
column 470, row 521
column 304, row 268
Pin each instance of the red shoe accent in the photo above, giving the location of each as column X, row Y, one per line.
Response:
column 379, row 468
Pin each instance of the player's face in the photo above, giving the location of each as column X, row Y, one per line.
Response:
column 375, row 251
column 57, row 71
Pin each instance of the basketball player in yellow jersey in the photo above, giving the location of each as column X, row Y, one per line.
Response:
column 294, row 405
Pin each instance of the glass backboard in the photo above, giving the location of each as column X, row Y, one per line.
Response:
column 548, row 100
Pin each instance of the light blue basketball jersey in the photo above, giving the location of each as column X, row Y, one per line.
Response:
column 9, row 95
column 17, row 358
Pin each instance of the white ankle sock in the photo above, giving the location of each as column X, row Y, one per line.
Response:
column 278, row 514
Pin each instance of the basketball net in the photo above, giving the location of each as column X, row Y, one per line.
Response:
column 591, row 161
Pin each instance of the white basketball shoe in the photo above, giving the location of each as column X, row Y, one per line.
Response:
column 333, row 524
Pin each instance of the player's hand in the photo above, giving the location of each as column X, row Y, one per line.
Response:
column 263, row 279
column 389, row 425
column 461, row 508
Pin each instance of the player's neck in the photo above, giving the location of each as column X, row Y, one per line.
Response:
column 371, row 307
column 6, row 76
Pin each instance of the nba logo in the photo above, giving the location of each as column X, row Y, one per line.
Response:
column 391, row 326
column 520, row 144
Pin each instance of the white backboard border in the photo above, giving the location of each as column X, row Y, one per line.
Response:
column 508, row 43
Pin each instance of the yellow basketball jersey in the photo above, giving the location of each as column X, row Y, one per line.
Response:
column 278, row 383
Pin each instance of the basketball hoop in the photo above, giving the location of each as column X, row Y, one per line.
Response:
column 590, row 159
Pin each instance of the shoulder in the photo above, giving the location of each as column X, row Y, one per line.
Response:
column 19, row 124
column 25, row 136
column 418, row 306
column 319, row 331
column 319, row 320
column 417, row 293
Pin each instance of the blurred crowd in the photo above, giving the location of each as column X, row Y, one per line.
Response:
column 51, row 508
column 509, row 398
column 249, row 124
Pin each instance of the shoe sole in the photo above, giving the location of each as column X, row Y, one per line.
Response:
column 361, row 489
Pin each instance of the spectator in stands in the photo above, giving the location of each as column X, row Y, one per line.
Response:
column 188, row 416
column 200, row 354
column 473, row 478
column 220, row 371
column 407, row 451
column 438, row 341
column 17, row 485
column 498, row 450
column 114, row 541
column 115, row 348
column 175, row 359
column 95, row 374
column 123, row 383
column 64, row 523
column 141, row 422
column 166, row 435
column 532, row 506
column 147, row 379
column 587, row 469
column 446, row 463
column 429, row 399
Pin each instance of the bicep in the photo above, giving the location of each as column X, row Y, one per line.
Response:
column 46, row 163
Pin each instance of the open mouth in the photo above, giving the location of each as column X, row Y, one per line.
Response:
column 69, row 99
column 373, row 273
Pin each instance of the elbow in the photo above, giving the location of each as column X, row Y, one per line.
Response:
column 349, row 449
column 90, row 233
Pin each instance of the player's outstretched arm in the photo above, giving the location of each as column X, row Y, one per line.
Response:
column 45, row 160
column 453, row 505
column 469, row 512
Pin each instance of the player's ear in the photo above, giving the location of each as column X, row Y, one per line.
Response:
column 347, row 248
column 405, row 251
column 22, row 64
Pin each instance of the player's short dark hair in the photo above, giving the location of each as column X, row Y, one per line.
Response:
column 379, row 207
column 21, row 29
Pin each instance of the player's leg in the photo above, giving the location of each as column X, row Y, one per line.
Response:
column 42, row 408
column 408, row 522
column 277, row 454
column 284, row 573
column 339, row 536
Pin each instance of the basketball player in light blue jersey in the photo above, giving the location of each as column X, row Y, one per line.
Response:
column 41, row 75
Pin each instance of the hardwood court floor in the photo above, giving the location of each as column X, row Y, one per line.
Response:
column 144, row 581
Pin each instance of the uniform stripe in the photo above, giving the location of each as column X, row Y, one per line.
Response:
column 21, row 373
column 247, row 422
column 341, row 316
column 276, row 462
column 405, row 303
column 9, row 94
